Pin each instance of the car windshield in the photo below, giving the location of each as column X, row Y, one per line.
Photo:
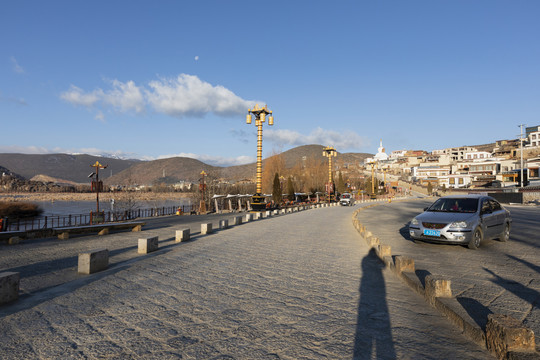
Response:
column 455, row 205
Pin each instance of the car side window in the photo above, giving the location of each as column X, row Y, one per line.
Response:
column 486, row 208
column 495, row 206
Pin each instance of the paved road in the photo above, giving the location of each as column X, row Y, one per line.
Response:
column 497, row 278
column 46, row 263
column 300, row 286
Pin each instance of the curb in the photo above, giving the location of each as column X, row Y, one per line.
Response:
column 504, row 337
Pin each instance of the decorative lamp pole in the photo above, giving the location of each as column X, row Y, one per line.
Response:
column 202, row 189
column 97, row 186
column 372, row 195
column 329, row 152
column 258, row 202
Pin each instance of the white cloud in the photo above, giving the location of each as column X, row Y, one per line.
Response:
column 12, row 100
column 16, row 67
column 58, row 150
column 197, row 58
column 24, row 149
column 125, row 97
column 76, row 96
column 345, row 140
column 185, row 95
column 99, row 116
column 214, row 160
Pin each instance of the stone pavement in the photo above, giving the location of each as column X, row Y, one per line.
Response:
column 498, row 278
column 46, row 263
column 299, row 286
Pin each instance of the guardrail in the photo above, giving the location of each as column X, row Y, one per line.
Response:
column 49, row 222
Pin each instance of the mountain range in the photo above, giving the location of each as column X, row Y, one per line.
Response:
column 70, row 169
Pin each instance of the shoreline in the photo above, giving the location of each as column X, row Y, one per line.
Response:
column 105, row 196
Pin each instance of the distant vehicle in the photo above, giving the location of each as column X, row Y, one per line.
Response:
column 346, row 199
column 465, row 219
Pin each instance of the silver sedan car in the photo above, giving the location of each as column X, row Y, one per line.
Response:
column 462, row 219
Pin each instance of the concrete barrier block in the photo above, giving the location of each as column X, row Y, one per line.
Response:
column 276, row 212
column 148, row 245
column 437, row 287
column 384, row 250
column 404, row 263
column 63, row 235
column 505, row 335
column 223, row 224
column 249, row 217
column 104, row 231
column 374, row 242
column 268, row 214
column 237, row 220
column 14, row 240
column 9, row 286
column 257, row 216
column 93, row 261
column 206, row 228
column 182, row 235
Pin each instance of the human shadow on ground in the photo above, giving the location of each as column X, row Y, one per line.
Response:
column 373, row 338
column 529, row 295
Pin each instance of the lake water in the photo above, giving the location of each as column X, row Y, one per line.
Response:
column 59, row 208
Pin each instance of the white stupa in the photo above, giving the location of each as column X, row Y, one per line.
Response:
column 381, row 155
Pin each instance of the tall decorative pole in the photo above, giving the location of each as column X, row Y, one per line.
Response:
column 329, row 152
column 258, row 202
column 97, row 185
column 202, row 189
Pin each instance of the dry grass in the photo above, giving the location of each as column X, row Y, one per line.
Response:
column 18, row 210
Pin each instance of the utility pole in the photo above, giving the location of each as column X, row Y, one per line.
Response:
column 521, row 182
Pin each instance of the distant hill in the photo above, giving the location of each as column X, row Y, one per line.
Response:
column 70, row 169
column 291, row 158
column 64, row 167
column 485, row 147
column 168, row 170
column 7, row 172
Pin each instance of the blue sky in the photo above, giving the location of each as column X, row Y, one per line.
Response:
column 153, row 79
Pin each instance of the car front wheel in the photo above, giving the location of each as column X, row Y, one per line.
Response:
column 476, row 239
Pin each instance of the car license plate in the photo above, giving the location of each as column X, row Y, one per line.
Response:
column 430, row 232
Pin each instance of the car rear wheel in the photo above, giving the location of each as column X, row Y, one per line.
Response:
column 476, row 239
column 505, row 236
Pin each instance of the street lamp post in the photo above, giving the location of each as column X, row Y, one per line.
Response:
column 97, row 185
column 521, row 182
column 329, row 152
column 258, row 202
column 202, row 189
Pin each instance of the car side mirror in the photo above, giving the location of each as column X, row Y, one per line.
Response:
column 426, row 208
